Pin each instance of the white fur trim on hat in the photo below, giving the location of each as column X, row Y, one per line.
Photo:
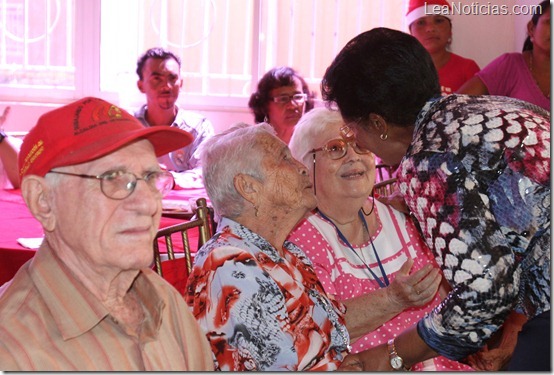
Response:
column 427, row 8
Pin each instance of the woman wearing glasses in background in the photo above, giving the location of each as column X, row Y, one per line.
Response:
column 366, row 254
column 282, row 97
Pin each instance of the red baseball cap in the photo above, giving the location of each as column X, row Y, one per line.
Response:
column 86, row 130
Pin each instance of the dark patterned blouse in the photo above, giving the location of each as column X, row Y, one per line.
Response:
column 477, row 178
column 261, row 311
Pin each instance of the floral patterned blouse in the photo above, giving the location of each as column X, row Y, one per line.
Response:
column 477, row 177
column 263, row 312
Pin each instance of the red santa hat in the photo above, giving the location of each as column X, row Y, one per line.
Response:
column 422, row 8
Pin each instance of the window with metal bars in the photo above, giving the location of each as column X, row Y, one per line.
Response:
column 60, row 50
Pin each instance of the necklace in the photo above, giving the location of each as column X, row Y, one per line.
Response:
column 384, row 282
column 536, row 81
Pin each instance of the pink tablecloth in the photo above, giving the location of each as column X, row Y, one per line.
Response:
column 17, row 222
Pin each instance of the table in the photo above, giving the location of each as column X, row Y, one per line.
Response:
column 16, row 222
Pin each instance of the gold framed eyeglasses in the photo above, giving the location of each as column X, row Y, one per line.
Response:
column 119, row 185
column 337, row 148
column 285, row 99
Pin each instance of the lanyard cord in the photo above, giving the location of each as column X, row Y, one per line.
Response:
column 343, row 238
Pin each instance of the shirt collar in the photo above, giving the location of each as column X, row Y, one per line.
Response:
column 74, row 308
column 180, row 117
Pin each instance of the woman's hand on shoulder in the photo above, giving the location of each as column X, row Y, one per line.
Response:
column 417, row 289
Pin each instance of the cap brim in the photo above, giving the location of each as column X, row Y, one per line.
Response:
column 164, row 139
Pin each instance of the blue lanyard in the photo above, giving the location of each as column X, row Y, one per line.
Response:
column 343, row 238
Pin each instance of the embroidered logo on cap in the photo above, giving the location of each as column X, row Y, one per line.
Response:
column 36, row 150
column 101, row 115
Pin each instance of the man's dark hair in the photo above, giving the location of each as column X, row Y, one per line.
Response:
column 155, row 53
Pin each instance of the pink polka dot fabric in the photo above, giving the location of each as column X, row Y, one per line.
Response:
column 344, row 275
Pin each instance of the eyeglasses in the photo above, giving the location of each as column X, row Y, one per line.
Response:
column 285, row 99
column 119, row 185
column 337, row 148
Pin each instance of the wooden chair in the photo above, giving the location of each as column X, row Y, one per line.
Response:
column 383, row 172
column 385, row 188
column 202, row 220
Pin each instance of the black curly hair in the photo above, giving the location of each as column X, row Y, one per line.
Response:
column 381, row 71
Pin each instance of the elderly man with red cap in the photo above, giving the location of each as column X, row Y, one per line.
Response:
column 429, row 22
column 88, row 299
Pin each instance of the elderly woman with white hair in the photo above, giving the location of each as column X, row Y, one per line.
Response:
column 366, row 254
column 256, row 295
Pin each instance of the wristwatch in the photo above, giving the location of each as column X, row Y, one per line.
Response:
column 2, row 135
column 396, row 362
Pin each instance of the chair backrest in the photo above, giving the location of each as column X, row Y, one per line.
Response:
column 201, row 220
column 383, row 172
column 385, row 188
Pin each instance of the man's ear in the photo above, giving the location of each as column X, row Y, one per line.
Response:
column 248, row 187
column 36, row 194
column 140, row 86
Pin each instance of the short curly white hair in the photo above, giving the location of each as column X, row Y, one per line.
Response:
column 227, row 154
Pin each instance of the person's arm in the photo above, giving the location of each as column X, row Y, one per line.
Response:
column 189, row 179
column 470, row 244
column 474, row 86
column 388, row 302
column 9, row 151
column 409, row 346
column 496, row 354
column 204, row 131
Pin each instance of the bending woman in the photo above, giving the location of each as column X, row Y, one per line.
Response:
column 475, row 172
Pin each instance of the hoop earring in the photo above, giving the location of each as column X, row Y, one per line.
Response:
column 373, row 204
column 384, row 137
column 266, row 120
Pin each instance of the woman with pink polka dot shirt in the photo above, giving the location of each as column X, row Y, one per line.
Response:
column 366, row 254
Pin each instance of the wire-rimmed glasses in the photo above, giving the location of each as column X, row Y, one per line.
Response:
column 119, row 185
column 285, row 98
column 337, row 148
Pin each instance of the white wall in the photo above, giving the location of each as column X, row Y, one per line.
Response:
column 484, row 37
column 477, row 36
